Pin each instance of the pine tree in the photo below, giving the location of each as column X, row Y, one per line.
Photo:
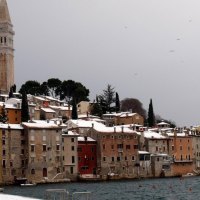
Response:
column 151, row 116
column 24, row 111
column 117, row 103
column 74, row 110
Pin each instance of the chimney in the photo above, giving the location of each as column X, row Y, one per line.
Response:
column 85, row 138
column 122, row 129
column 92, row 125
column 114, row 129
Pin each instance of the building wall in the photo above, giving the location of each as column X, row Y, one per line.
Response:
column 87, row 157
column 182, row 168
column 12, row 155
column 132, row 119
column 1, row 168
column 14, row 116
column 44, row 153
column 70, row 156
column 157, row 145
column 116, row 153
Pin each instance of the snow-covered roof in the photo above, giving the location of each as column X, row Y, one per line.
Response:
column 115, row 129
column 171, row 134
column 162, row 123
column 83, row 123
column 82, row 139
column 143, row 152
column 87, row 116
column 40, row 98
column 11, row 126
column 71, row 133
column 48, row 110
column 40, row 124
column 62, row 108
column 153, row 135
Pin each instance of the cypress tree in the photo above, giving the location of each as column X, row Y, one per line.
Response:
column 117, row 103
column 11, row 92
column 151, row 116
column 74, row 110
column 24, row 110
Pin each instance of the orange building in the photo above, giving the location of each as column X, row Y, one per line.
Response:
column 182, row 152
column 13, row 114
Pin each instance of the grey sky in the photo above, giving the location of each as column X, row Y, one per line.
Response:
column 144, row 48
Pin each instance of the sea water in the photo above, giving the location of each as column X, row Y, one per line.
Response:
column 145, row 189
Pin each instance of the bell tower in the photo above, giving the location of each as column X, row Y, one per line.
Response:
column 6, row 49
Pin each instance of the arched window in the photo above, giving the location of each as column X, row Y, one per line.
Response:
column 32, row 171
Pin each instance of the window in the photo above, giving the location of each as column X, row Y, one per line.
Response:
column 172, row 147
column 104, row 146
column 113, row 159
column 128, row 146
column 73, row 159
column 22, row 151
column 71, row 170
column 32, row 171
column 92, row 149
column 125, row 158
column 133, row 157
column 118, row 158
column 72, row 148
column 181, row 148
column 112, row 146
column 44, row 147
column 72, row 139
column 4, row 163
column 32, row 148
column 11, row 163
column 32, row 137
column 3, row 142
column 22, row 142
column 57, row 147
column 135, row 146
column 44, row 137
column 104, row 158
column 156, row 148
column 79, row 149
column 4, row 152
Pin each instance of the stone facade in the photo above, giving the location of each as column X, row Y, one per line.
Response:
column 6, row 49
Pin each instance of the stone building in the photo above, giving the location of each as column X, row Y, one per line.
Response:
column 6, row 49
column 117, row 150
column 70, row 155
column 12, row 148
column 43, row 151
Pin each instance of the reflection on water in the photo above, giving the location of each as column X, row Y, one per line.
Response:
column 165, row 189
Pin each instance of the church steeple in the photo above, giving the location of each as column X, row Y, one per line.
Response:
column 6, row 49
column 4, row 12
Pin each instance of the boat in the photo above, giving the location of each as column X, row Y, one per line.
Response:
column 28, row 184
column 189, row 175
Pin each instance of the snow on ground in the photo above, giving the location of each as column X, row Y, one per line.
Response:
column 12, row 197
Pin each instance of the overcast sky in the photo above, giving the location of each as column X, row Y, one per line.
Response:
column 144, row 48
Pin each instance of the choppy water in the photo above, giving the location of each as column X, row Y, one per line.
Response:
column 165, row 189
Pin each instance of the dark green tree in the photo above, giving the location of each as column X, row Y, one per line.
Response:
column 54, row 85
column 24, row 111
column 107, row 99
column 151, row 116
column 3, row 115
column 30, row 87
column 11, row 92
column 67, row 90
column 44, row 90
column 74, row 110
column 14, row 88
column 133, row 105
column 117, row 103
column 96, row 109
